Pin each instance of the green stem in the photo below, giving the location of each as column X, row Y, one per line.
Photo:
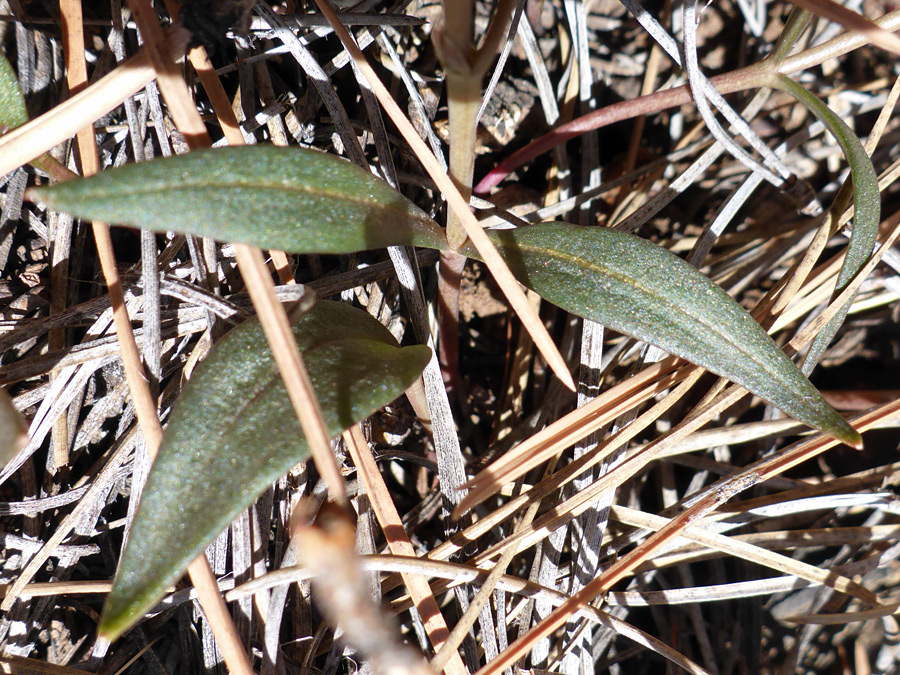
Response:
column 797, row 22
column 465, row 68
column 454, row 37
column 464, row 95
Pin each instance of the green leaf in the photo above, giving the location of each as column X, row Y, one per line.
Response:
column 233, row 432
column 295, row 200
column 12, row 104
column 635, row 287
column 866, row 207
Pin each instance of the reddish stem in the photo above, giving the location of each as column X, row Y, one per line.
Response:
column 745, row 78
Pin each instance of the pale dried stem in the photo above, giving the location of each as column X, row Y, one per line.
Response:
column 399, row 544
column 328, row 549
column 76, row 78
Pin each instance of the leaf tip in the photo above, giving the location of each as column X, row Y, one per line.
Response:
column 843, row 432
column 123, row 609
column 854, row 440
column 111, row 627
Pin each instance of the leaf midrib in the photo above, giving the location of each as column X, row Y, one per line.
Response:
column 183, row 186
column 574, row 260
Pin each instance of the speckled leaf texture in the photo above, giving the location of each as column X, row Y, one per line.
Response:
column 233, row 432
column 12, row 104
column 303, row 202
column 640, row 289
column 291, row 199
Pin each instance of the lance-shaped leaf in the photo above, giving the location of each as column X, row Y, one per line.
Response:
column 295, row 200
column 866, row 207
column 232, row 433
column 643, row 290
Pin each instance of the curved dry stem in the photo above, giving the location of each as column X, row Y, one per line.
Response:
column 699, row 84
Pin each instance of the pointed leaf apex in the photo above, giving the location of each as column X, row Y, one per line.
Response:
column 850, row 436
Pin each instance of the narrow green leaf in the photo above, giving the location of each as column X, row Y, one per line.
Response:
column 233, row 432
column 643, row 290
column 866, row 207
column 12, row 104
column 295, row 200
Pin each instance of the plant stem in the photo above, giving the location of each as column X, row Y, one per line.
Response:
column 464, row 96
column 797, row 22
column 738, row 80
column 450, row 271
column 465, row 68
column 504, row 278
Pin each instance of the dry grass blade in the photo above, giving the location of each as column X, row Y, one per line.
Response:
column 462, row 574
column 719, row 495
column 65, row 528
column 848, row 617
column 23, row 144
column 812, row 329
column 399, row 544
column 699, row 83
column 740, row 549
column 837, row 46
column 272, row 314
column 566, row 431
column 147, row 413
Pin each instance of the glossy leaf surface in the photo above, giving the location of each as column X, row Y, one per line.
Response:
column 638, row 288
column 233, row 433
column 295, row 200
